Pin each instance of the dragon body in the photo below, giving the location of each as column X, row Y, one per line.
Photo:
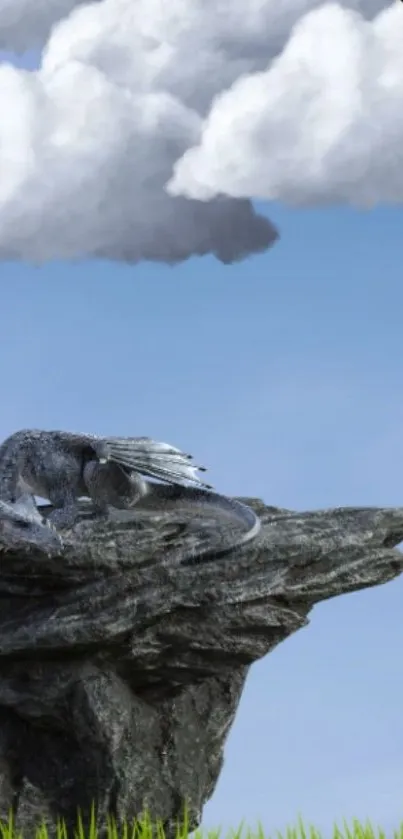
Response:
column 111, row 471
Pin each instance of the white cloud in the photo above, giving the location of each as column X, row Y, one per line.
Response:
column 323, row 123
column 126, row 96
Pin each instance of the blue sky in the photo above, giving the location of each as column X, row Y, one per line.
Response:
column 283, row 374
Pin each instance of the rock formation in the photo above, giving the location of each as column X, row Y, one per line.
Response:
column 122, row 666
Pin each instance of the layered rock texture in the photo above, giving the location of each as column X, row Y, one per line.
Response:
column 122, row 665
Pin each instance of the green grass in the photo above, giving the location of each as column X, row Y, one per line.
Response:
column 144, row 829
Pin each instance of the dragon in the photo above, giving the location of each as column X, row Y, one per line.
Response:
column 63, row 467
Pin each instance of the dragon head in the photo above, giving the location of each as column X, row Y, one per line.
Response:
column 22, row 530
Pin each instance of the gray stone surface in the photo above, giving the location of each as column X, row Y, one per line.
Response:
column 121, row 667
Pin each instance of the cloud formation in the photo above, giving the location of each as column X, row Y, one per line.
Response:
column 204, row 96
column 322, row 124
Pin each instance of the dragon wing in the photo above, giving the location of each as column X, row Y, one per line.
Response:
column 137, row 454
column 152, row 459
